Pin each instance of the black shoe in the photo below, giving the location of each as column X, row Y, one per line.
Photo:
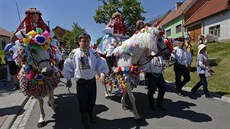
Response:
column 152, row 107
column 207, row 95
column 193, row 91
column 160, row 106
column 16, row 88
column 92, row 120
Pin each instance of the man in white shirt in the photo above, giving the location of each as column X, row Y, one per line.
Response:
column 83, row 64
column 153, row 73
column 182, row 58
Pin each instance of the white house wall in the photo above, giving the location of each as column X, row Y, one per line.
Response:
column 222, row 19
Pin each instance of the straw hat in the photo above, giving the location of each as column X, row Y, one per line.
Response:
column 200, row 47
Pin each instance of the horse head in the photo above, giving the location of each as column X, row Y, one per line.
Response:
column 149, row 40
column 36, row 52
column 158, row 45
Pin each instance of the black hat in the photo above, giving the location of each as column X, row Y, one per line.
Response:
column 181, row 39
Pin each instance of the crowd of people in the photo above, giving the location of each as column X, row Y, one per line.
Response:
column 84, row 63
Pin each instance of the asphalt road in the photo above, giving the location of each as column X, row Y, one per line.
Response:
column 188, row 112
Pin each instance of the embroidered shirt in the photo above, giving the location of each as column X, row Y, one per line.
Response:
column 181, row 56
column 84, row 65
column 156, row 65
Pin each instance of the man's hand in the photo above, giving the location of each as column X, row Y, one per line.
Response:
column 102, row 78
column 68, row 83
column 211, row 72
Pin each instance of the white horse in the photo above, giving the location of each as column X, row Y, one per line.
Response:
column 136, row 51
column 37, row 76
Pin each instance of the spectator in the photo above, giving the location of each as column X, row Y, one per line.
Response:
column 83, row 64
column 189, row 48
column 201, row 40
column 8, row 50
column 203, row 69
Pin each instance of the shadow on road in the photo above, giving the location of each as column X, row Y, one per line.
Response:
column 179, row 109
column 11, row 110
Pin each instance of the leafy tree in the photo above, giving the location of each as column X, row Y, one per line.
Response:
column 71, row 37
column 131, row 11
column 98, row 40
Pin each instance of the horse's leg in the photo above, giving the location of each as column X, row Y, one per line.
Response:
column 132, row 99
column 41, row 121
column 51, row 101
column 124, row 105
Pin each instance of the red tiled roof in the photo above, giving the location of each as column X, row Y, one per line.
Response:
column 210, row 8
column 5, row 32
column 174, row 14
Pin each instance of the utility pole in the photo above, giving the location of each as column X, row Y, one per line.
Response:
column 48, row 22
column 18, row 12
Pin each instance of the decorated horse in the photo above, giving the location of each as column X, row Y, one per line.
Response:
column 37, row 58
column 38, row 77
column 132, row 53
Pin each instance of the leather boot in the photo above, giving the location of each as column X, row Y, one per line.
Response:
column 91, row 118
column 160, row 98
column 85, row 120
column 151, row 100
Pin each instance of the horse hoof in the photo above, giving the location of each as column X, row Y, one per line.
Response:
column 42, row 124
column 138, row 121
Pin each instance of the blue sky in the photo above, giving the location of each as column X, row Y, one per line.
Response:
column 64, row 13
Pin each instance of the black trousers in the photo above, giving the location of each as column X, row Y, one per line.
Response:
column 203, row 81
column 86, row 93
column 181, row 70
column 154, row 82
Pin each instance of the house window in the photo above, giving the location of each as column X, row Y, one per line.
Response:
column 215, row 30
column 178, row 28
column 168, row 32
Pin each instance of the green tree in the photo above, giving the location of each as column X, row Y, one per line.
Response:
column 71, row 37
column 98, row 40
column 131, row 11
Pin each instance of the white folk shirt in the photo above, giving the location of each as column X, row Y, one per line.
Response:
column 84, row 65
column 156, row 65
column 182, row 56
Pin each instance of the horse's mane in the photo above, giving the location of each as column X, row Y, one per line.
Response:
column 145, row 38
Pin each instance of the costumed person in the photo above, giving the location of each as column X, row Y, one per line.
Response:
column 83, row 64
column 203, row 69
column 139, row 26
column 115, row 33
column 154, row 75
column 13, row 68
column 32, row 21
column 182, row 58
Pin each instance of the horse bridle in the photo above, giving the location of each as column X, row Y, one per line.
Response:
column 35, row 62
column 151, row 57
